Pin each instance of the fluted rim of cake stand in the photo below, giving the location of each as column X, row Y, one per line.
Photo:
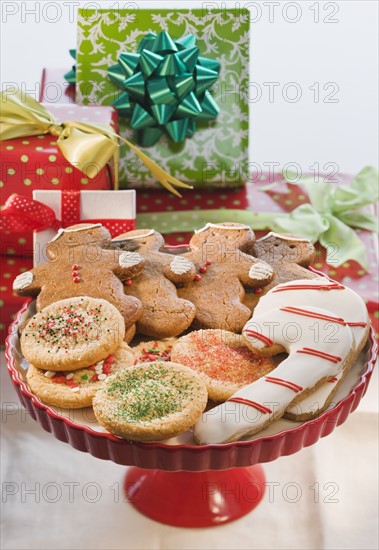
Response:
column 185, row 456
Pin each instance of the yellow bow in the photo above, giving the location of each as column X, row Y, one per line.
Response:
column 88, row 147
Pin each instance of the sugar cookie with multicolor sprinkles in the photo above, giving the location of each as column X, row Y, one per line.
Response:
column 76, row 389
column 222, row 360
column 150, row 402
column 155, row 350
column 72, row 334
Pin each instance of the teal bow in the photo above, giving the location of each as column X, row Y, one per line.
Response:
column 165, row 87
column 70, row 77
column 331, row 214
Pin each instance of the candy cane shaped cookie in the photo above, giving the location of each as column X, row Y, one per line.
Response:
column 338, row 299
column 308, row 364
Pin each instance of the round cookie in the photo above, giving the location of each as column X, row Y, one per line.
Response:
column 222, row 360
column 157, row 350
column 76, row 389
column 150, row 402
column 72, row 334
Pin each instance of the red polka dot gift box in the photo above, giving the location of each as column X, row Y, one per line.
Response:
column 35, row 162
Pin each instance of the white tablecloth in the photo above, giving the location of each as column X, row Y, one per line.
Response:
column 54, row 497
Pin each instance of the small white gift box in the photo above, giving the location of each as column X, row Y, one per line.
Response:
column 116, row 210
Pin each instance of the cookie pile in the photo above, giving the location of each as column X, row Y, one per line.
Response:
column 188, row 319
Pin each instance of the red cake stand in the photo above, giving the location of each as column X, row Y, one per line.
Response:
column 180, row 483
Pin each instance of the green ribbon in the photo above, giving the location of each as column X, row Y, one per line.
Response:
column 70, row 77
column 165, row 87
column 329, row 217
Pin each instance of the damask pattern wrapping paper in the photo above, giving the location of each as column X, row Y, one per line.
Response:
column 217, row 154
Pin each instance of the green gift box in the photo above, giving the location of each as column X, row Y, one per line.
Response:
column 216, row 153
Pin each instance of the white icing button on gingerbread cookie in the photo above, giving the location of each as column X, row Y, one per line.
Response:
column 180, row 265
column 260, row 271
column 23, row 281
column 129, row 259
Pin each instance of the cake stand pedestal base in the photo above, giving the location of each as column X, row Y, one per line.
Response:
column 195, row 499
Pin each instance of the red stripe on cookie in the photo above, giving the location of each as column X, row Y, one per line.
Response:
column 307, row 313
column 321, row 354
column 331, row 286
column 286, row 383
column 258, row 406
column 357, row 324
column 259, row 336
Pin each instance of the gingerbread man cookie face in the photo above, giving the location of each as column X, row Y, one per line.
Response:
column 224, row 273
column 80, row 266
column 164, row 314
column 289, row 256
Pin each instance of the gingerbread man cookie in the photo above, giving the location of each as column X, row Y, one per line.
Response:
column 79, row 266
column 289, row 256
column 225, row 271
column 164, row 314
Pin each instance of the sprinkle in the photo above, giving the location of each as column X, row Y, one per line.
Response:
column 102, row 376
column 203, row 269
column 76, row 389
column 94, row 378
column 50, row 374
column 197, row 278
column 208, row 262
column 84, row 376
column 128, row 282
column 75, row 273
column 69, row 376
column 258, row 290
column 75, row 267
column 76, row 279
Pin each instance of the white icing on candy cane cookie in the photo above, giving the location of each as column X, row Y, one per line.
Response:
column 23, row 281
column 292, row 329
column 339, row 300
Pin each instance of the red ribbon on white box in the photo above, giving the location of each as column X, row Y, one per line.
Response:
column 22, row 213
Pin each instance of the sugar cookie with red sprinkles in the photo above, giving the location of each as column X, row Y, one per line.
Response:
column 76, row 389
column 72, row 334
column 222, row 359
column 150, row 402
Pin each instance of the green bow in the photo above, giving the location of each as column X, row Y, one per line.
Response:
column 70, row 77
column 329, row 217
column 331, row 214
column 165, row 87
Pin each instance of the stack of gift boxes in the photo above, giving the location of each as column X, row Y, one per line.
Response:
column 134, row 77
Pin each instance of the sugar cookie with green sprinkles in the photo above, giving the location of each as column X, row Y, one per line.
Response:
column 76, row 389
column 72, row 334
column 150, row 401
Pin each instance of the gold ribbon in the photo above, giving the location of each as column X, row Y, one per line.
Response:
column 88, row 147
